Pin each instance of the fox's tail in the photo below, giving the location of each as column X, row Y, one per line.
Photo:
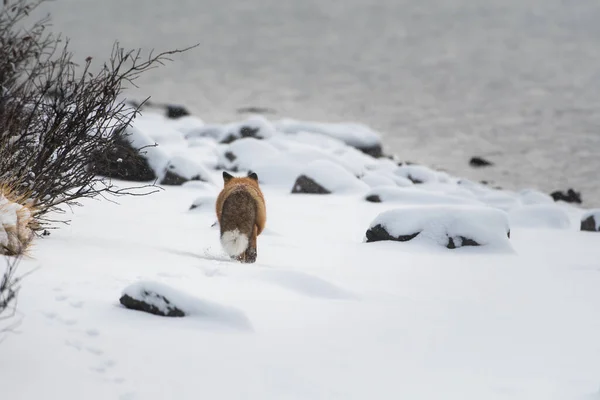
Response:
column 234, row 242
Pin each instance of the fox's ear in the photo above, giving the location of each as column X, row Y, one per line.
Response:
column 227, row 177
column 252, row 175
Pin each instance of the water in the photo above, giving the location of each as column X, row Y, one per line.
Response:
column 517, row 81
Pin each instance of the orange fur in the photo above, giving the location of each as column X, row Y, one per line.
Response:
column 251, row 186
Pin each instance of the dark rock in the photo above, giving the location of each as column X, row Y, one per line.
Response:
column 304, row 184
column 244, row 132
column 172, row 178
column 373, row 198
column 374, row 151
column 229, row 138
column 479, row 162
column 570, row 197
column 141, row 305
column 589, row 224
column 256, row 110
column 247, row 131
column 464, row 241
column 379, row 233
column 122, row 161
column 176, row 111
column 401, row 163
column 414, row 180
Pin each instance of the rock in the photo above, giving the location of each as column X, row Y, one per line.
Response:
column 304, row 184
column 478, row 162
column 123, row 161
column 256, row 110
column 171, row 178
column 148, row 303
column 373, row 198
column 176, row 111
column 378, row 233
column 571, row 196
column 460, row 241
column 374, row 151
column 590, row 221
column 244, row 132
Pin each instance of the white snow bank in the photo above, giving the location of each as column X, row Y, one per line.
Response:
column 502, row 200
column 204, row 203
column 333, row 177
column 540, row 216
column 376, row 179
column 413, row 195
column 356, row 135
column 147, row 292
column 487, row 226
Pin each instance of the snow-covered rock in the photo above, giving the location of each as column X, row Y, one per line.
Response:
column 244, row 154
column 160, row 299
column 448, row 226
column 254, row 127
column 532, row 196
column 181, row 169
column 324, row 177
column 417, row 173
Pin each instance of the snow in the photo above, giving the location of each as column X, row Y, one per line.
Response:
column 321, row 314
column 540, row 216
column 485, row 225
column 353, row 134
column 413, row 195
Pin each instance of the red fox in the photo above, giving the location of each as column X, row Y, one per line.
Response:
column 242, row 215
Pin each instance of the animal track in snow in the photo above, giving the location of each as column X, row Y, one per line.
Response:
column 92, row 332
column 76, row 304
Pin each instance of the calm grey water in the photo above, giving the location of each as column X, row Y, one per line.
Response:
column 517, row 81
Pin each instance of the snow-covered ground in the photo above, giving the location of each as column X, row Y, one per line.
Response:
column 322, row 314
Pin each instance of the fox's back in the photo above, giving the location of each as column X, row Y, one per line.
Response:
column 238, row 210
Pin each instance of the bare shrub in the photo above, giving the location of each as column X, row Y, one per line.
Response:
column 56, row 115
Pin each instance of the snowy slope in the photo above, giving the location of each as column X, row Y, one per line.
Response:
column 320, row 315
